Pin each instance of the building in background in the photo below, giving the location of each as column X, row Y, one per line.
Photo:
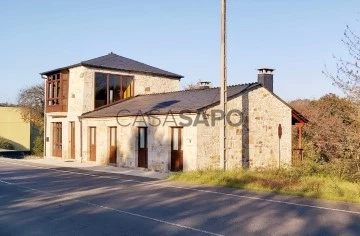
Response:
column 15, row 130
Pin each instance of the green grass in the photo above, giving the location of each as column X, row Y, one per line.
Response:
column 290, row 181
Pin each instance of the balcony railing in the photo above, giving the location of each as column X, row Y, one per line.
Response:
column 297, row 156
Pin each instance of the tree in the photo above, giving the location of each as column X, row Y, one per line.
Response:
column 31, row 101
column 333, row 128
column 192, row 86
column 347, row 76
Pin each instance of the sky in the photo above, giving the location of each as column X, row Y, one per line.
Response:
column 297, row 38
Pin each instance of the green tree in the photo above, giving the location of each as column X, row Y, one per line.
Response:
column 333, row 128
column 31, row 101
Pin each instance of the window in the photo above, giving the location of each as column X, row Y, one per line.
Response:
column 57, row 91
column 114, row 88
column 127, row 86
column 110, row 88
column 53, row 89
column 100, row 90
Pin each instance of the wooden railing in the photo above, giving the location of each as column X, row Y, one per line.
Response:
column 297, row 156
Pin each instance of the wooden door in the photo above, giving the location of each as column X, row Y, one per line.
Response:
column 176, row 149
column 57, row 139
column 92, row 142
column 72, row 140
column 113, row 146
column 142, row 147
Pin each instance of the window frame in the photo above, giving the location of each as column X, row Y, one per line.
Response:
column 121, row 76
column 57, row 91
column 52, row 86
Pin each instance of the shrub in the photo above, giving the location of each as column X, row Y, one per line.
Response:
column 38, row 148
column 6, row 144
column 334, row 181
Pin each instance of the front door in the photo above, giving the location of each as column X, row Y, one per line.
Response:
column 142, row 147
column 92, row 143
column 72, row 140
column 57, row 139
column 113, row 146
column 176, row 149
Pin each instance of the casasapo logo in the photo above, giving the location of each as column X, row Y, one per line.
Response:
column 184, row 118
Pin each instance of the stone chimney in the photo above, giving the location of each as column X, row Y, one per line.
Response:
column 266, row 78
column 204, row 84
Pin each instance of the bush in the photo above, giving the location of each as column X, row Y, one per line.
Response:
column 336, row 180
column 38, row 148
column 344, row 169
column 6, row 144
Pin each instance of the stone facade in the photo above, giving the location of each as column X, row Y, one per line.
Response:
column 159, row 153
column 81, row 100
column 254, row 143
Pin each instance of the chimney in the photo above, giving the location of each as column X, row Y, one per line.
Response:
column 204, row 84
column 266, row 78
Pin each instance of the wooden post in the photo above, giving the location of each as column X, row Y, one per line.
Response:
column 300, row 126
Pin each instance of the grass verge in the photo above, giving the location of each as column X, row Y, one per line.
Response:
column 286, row 181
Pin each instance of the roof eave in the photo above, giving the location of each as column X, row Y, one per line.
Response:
column 250, row 87
column 175, row 76
column 61, row 68
column 84, row 116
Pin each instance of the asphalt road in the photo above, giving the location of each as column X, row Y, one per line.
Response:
column 45, row 200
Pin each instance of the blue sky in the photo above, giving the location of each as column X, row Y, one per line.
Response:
column 295, row 37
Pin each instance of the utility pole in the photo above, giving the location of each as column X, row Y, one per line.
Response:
column 223, row 90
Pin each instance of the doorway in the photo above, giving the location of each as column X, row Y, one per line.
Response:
column 57, row 139
column 92, row 141
column 113, row 146
column 176, row 149
column 142, row 147
column 72, row 140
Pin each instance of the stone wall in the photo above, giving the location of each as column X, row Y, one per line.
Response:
column 78, row 103
column 159, row 138
column 81, row 100
column 266, row 113
column 255, row 142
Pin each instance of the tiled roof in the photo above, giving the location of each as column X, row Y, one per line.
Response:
column 116, row 62
column 162, row 103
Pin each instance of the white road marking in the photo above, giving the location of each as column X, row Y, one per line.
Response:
column 72, row 172
column 268, row 200
column 2, row 181
column 116, row 210
column 204, row 191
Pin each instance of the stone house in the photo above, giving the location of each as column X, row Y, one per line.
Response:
column 114, row 110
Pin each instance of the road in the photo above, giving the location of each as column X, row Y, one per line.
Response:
column 44, row 200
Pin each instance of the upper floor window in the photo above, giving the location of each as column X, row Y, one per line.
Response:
column 57, row 91
column 111, row 87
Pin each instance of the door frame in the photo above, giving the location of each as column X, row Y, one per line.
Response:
column 57, row 139
column 142, row 152
column 112, row 148
column 72, row 139
column 92, row 144
column 176, row 156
